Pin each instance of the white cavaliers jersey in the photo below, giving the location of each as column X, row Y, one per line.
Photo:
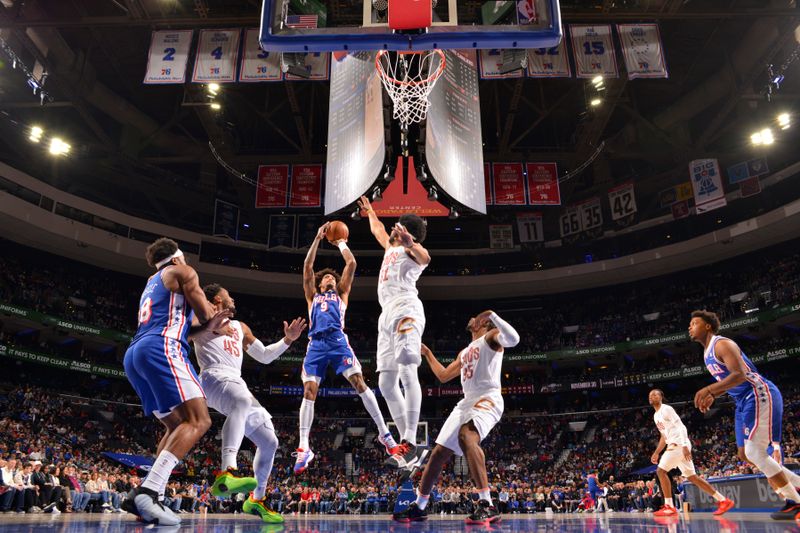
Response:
column 671, row 427
column 221, row 351
column 480, row 369
column 398, row 276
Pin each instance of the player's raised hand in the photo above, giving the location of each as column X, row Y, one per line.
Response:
column 364, row 204
column 405, row 238
column 703, row 400
column 323, row 229
column 292, row 331
column 220, row 322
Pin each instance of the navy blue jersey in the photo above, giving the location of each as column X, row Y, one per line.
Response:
column 163, row 312
column 718, row 369
column 326, row 314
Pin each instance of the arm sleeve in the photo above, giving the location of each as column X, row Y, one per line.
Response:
column 507, row 336
column 266, row 354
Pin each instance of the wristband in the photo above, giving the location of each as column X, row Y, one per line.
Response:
column 343, row 246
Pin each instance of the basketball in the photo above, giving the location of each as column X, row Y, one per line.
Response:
column 337, row 231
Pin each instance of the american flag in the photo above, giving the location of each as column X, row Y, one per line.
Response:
column 301, row 21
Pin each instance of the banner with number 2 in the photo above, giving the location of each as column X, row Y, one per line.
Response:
column 216, row 56
column 169, row 53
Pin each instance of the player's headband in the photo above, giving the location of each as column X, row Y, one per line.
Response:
column 166, row 260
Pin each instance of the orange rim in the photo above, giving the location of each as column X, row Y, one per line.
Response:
column 429, row 79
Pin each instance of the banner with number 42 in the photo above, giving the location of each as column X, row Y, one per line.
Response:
column 622, row 201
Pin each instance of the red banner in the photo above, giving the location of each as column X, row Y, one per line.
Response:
column 509, row 184
column 487, row 180
column 543, row 184
column 273, row 182
column 414, row 199
column 750, row 187
column 680, row 209
column 306, row 190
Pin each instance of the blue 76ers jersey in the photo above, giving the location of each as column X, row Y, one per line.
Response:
column 163, row 312
column 719, row 371
column 326, row 314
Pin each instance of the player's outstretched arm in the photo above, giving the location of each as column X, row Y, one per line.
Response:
column 415, row 250
column 727, row 352
column 349, row 272
column 308, row 264
column 266, row 354
column 375, row 224
column 189, row 285
column 442, row 374
column 504, row 335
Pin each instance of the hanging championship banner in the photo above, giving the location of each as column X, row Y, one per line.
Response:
column 281, row 231
column 487, row 182
column 501, row 236
column 257, row 64
column 750, row 187
column 273, row 181
column 642, row 50
column 549, row 62
column 491, row 64
column 216, row 56
column 707, row 185
column 622, row 201
column 317, row 65
column 570, row 222
column 591, row 214
column 509, row 184
column 543, row 184
column 169, row 53
column 593, row 49
column 306, row 186
column 530, row 227
column 226, row 220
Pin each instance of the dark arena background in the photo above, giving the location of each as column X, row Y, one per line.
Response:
column 592, row 172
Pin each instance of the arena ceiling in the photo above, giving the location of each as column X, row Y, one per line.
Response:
column 132, row 140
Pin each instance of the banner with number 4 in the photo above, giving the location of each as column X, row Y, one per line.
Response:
column 216, row 56
column 622, row 200
column 169, row 53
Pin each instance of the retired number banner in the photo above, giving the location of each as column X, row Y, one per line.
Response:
column 491, row 61
column 257, row 64
column 707, row 184
column 543, row 184
column 591, row 213
column 530, row 227
column 549, row 62
column 169, row 53
column 570, row 222
column 509, row 184
column 593, row 49
column 306, row 189
column 317, row 65
column 273, row 181
column 216, row 56
column 622, row 201
column 642, row 50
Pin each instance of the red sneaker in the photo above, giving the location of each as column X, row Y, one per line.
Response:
column 666, row 510
column 724, row 506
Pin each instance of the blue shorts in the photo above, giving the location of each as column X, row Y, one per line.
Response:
column 333, row 349
column 759, row 415
column 160, row 372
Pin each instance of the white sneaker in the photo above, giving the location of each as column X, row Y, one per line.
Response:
column 389, row 443
column 150, row 510
column 303, row 458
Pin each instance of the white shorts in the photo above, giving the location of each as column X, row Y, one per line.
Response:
column 393, row 331
column 674, row 459
column 485, row 412
column 222, row 389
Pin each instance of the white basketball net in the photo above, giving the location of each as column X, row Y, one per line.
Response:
column 409, row 78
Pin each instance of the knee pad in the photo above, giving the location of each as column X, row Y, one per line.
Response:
column 757, row 454
column 407, row 343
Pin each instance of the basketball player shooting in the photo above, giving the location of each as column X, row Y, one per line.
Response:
column 220, row 360
column 400, row 325
column 759, row 406
column 480, row 368
column 157, row 366
column 675, row 438
column 327, row 293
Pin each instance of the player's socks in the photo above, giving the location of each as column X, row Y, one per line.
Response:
column 789, row 493
column 793, row 478
column 422, row 500
column 306, row 418
column 389, row 384
column 374, row 410
column 484, row 494
column 718, row 496
column 158, row 476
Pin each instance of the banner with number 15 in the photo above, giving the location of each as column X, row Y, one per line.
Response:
column 169, row 53
column 216, row 56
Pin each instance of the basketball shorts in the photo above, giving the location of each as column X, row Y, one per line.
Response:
column 400, row 328
column 333, row 349
column 759, row 415
column 223, row 388
column 161, row 373
column 674, row 458
column 484, row 412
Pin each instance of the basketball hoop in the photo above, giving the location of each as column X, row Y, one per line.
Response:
column 409, row 78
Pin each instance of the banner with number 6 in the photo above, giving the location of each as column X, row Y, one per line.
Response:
column 622, row 201
column 215, row 60
column 530, row 227
column 593, row 49
column 169, row 53
column 257, row 64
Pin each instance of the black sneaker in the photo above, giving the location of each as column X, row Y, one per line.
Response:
column 405, row 457
column 485, row 513
column 790, row 511
column 412, row 514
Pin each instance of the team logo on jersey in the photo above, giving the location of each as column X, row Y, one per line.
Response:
column 746, row 432
column 348, row 361
column 484, row 404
